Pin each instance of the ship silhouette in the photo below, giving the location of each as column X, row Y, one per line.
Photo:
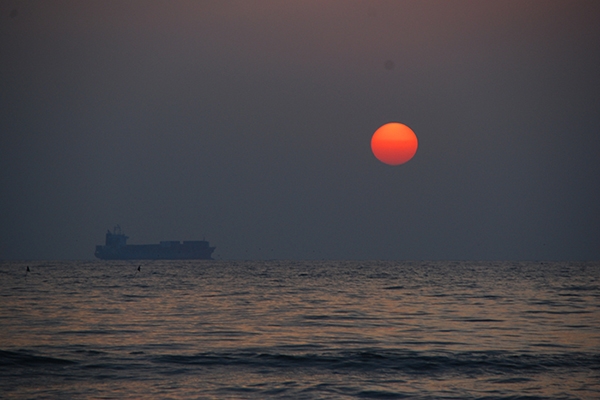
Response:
column 116, row 248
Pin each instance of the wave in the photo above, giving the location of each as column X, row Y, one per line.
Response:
column 403, row 361
column 286, row 373
column 21, row 358
column 410, row 362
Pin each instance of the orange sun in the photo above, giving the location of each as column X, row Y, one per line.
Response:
column 394, row 143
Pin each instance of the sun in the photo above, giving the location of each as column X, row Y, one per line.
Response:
column 394, row 143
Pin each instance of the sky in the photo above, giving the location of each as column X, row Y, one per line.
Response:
column 248, row 123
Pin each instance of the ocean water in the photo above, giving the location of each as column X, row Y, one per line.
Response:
column 300, row 330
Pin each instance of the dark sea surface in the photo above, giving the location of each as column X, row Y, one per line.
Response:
column 300, row 330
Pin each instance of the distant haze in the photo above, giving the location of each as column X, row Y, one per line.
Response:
column 248, row 123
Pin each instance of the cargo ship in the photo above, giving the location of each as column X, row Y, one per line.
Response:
column 116, row 248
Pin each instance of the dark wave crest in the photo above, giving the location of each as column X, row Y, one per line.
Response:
column 403, row 361
column 11, row 358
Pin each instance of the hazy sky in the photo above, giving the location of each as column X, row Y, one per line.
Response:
column 248, row 123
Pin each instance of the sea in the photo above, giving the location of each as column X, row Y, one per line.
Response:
column 299, row 330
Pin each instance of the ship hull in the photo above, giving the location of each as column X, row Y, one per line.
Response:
column 116, row 248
